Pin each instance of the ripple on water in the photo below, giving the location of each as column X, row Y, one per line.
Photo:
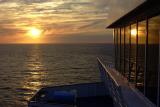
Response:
column 24, row 69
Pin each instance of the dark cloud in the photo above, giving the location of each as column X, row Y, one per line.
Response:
column 93, row 24
column 9, row 31
column 33, row 1
column 5, row 1
column 24, row 1
column 72, row 5
column 83, row 38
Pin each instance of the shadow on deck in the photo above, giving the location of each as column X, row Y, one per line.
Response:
column 98, row 101
column 78, row 95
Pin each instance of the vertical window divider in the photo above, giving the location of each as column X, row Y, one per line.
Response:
column 117, row 50
column 120, row 52
column 124, row 51
column 114, row 47
column 158, row 99
column 129, row 74
column 136, row 53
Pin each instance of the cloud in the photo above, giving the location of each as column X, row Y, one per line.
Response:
column 86, row 37
column 10, row 31
column 93, row 24
column 24, row 1
column 62, row 17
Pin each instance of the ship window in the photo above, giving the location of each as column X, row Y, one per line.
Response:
column 116, row 40
column 152, row 59
column 141, row 55
column 133, row 53
column 119, row 50
column 127, row 49
column 122, row 51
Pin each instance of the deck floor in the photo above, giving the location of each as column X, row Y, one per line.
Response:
column 101, row 101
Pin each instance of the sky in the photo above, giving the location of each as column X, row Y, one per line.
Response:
column 61, row 21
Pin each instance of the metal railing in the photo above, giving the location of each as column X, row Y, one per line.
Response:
column 111, row 83
column 124, row 93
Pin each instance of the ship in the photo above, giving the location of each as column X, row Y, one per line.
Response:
column 132, row 81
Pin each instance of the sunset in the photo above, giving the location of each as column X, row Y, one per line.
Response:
column 61, row 21
column 79, row 53
column 35, row 33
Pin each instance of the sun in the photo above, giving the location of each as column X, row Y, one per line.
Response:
column 35, row 32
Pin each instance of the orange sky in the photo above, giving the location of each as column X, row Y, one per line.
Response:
column 61, row 21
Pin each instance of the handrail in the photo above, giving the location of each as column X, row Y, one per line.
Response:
column 123, row 91
column 104, row 67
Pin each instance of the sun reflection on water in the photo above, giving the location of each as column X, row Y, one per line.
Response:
column 35, row 73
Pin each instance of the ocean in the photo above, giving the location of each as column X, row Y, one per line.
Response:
column 24, row 69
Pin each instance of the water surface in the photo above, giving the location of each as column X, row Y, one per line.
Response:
column 24, row 69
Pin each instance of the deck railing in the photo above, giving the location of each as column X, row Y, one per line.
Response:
column 111, row 84
column 124, row 94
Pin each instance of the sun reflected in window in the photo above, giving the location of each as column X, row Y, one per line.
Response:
column 133, row 32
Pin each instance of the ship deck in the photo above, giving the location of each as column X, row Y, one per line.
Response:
column 98, row 101
column 87, row 95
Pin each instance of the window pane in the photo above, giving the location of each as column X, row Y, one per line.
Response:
column 122, row 50
column 141, row 55
column 127, row 45
column 133, row 53
column 119, row 51
column 116, row 39
column 152, row 58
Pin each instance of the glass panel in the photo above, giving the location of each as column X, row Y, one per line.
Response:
column 133, row 53
column 152, row 59
column 119, row 51
column 116, row 32
column 141, row 55
column 127, row 45
column 122, row 50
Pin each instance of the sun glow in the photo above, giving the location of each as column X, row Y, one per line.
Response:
column 134, row 32
column 35, row 32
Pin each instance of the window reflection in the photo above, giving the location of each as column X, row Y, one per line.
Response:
column 134, row 32
column 137, row 55
column 127, row 50
column 119, row 51
column 141, row 55
column 152, row 58
column 122, row 50
column 116, row 47
column 133, row 54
